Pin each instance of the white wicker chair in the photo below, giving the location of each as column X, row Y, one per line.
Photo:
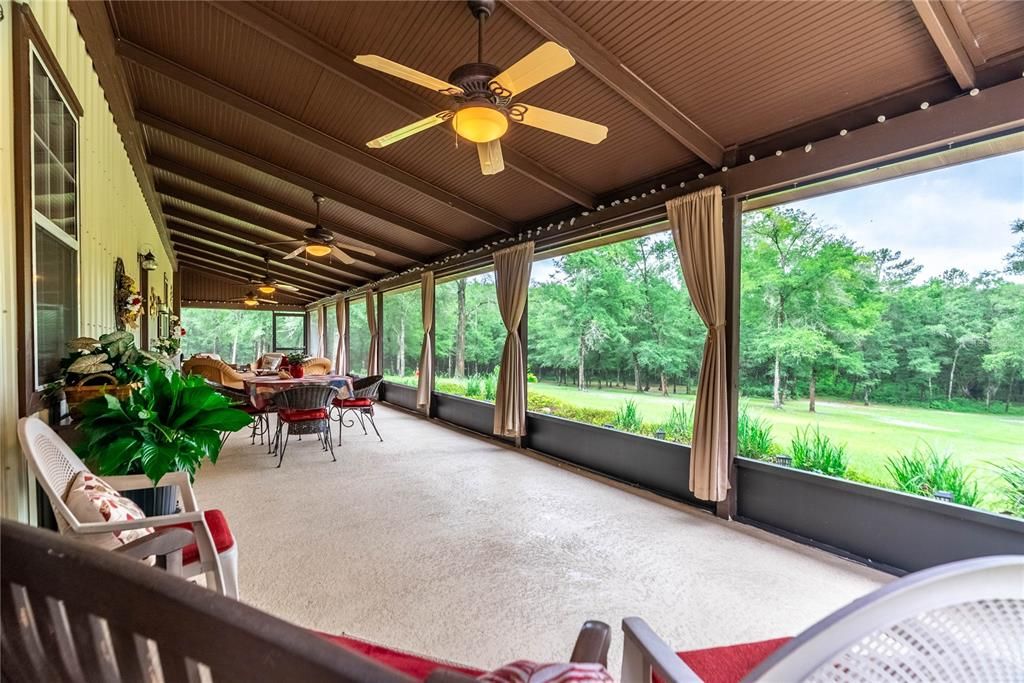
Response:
column 962, row 621
column 55, row 466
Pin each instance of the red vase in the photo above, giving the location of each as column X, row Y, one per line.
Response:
column 297, row 371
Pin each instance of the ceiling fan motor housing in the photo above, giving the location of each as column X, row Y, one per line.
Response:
column 475, row 81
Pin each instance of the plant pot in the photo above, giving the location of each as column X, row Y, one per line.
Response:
column 297, row 371
column 88, row 389
column 155, row 501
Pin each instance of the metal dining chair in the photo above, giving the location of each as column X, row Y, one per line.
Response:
column 304, row 410
column 365, row 392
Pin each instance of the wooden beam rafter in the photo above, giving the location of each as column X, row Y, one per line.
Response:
column 233, row 278
column 183, row 222
column 290, row 126
column 257, row 199
column 185, row 239
column 326, row 56
column 214, row 268
column 550, row 22
column 944, row 35
column 295, row 178
column 287, row 233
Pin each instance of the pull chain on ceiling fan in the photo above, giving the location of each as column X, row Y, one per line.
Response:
column 483, row 96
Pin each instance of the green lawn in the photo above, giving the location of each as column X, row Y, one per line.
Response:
column 871, row 433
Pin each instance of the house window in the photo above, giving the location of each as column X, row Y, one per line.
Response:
column 54, row 184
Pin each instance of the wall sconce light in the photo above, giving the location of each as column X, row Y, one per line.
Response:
column 149, row 261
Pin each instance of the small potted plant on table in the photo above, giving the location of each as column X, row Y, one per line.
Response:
column 295, row 368
column 170, row 423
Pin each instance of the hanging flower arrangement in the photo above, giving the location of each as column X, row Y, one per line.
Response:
column 171, row 344
column 129, row 301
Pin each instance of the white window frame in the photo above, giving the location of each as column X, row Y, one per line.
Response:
column 41, row 221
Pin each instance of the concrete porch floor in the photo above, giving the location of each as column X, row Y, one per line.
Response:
column 445, row 544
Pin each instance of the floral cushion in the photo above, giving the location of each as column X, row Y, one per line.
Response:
column 524, row 671
column 91, row 499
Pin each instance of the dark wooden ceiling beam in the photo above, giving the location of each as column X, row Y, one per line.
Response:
column 199, row 247
column 945, row 37
column 231, row 238
column 307, row 133
column 189, row 173
column 550, row 22
column 99, row 36
column 967, row 36
column 321, row 53
column 286, row 233
column 295, row 178
column 215, row 268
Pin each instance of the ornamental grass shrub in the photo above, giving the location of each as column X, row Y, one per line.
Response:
column 816, row 452
column 925, row 471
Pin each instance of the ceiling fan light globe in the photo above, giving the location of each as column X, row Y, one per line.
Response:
column 267, row 289
column 480, row 123
column 318, row 249
column 250, row 302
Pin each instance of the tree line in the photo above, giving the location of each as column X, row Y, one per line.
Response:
column 820, row 314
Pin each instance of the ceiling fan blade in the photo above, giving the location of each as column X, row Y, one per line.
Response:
column 296, row 252
column 406, row 73
column 263, row 244
column 491, row 161
column 410, row 130
column 266, row 301
column 553, row 122
column 358, row 250
column 286, row 288
column 541, row 64
column 342, row 256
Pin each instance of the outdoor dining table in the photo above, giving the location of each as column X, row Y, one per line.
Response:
column 262, row 389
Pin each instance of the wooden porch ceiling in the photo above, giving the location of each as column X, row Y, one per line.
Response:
column 234, row 113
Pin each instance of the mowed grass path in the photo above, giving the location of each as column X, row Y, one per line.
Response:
column 871, row 433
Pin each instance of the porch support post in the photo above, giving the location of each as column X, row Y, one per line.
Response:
column 732, row 214
column 348, row 335
column 380, row 332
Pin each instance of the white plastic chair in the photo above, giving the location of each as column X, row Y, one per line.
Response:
column 55, row 466
column 962, row 621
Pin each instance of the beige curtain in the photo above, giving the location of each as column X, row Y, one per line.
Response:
column 341, row 348
column 321, row 331
column 371, row 319
column 427, row 353
column 512, row 277
column 696, row 221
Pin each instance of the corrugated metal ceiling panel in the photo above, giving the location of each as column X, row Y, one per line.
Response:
column 743, row 70
column 998, row 26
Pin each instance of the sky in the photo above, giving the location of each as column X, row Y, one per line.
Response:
column 957, row 216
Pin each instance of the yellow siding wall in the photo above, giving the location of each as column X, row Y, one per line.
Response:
column 114, row 219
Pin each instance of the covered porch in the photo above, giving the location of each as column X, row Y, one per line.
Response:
column 575, row 319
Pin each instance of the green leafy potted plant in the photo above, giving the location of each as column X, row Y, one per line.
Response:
column 295, row 365
column 170, row 423
column 111, row 364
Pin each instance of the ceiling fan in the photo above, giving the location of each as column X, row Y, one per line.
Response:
column 268, row 284
column 319, row 241
column 483, row 97
column 252, row 299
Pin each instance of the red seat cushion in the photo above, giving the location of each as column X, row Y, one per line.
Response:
column 410, row 664
column 219, row 529
column 356, row 402
column 291, row 415
column 731, row 663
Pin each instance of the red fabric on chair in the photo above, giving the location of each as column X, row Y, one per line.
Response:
column 353, row 402
column 219, row 529
column 413, row 665
column 731, row 663
column 287, row 415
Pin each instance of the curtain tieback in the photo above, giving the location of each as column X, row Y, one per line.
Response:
column 715, row 328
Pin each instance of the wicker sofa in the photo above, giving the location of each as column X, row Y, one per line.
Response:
column 216, row 371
